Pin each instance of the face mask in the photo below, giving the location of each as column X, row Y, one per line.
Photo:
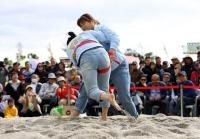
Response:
column 34, row 80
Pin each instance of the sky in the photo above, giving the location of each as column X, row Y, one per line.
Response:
column 142, row 25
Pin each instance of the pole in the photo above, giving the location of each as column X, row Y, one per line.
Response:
column 181, row 95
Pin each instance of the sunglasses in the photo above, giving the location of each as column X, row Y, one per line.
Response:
column 143, row 79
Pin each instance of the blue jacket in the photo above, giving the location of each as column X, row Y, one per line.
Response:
column 112, row 41
column 84, row 36
column 163, row 92
column 190, row 92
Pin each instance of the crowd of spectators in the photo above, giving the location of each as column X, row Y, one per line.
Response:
column 28, row 92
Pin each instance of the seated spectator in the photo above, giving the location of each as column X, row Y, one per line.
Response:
column 63, row 90
column 48, row 92
column 11, row 111
column 27, row 72
column 156, row 97
column 195, row 75
column 71, row 75
column 174, row 60
column 171, row 93
column 36, row 85
column 77, row 81
column 136, row 98
column 135, row 73
column 142, row 83
column 189, row 94
column 30, row 103
column 15, row 89
column 41, row 72
column 2, row 105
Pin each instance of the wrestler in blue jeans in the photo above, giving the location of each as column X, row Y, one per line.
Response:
column 120, row 70
column 94, row 64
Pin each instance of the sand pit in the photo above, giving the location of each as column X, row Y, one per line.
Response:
column 117, row 127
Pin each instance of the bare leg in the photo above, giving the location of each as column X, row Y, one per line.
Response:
column 104, row 114
column 74, row 114
column 111, row 99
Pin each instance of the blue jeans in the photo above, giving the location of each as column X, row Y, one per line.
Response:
column 94, row 83
column 121, row 79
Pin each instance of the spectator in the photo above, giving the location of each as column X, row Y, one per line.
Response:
column 198, row 56
column 61, row 68
column 142, row 65
column 195, row 75
column 3, row 74
column 165, row 68
column 48, row 92
column 15, row 68
column 156, row 96
column 27, row 72
column 188, row 66
column 71, row 75
column 11, row 111
column 158, row 63
column 171, row 93
column 174, row 60
column 147, row 69
column 63, row 90
column 36, row 86
column 41, row 72
column 54, row 68
column 142, row 83
column 2, row 105
column 15, row 89
column 189, row 94
column 135, row 73
column 30, row 103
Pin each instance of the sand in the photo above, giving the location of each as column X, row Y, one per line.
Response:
column 117, row 127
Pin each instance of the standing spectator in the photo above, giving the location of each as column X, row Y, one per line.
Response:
column 147, row 69
column 53, row 67
column 15, row 89
column 158, row 63
column 195, row 75
column 174, row 60
column 165, row 68
column 61, row 68
column 77, row 81
column 135, row 72
column 188, row 67
column 48, row 92
column 3, row 74
column 189, row 94
column 156, row 96
column 27, row 72
column 142, row 65
column 198, row 56
column 41, row 72
column 15, row 68
column 11, row 111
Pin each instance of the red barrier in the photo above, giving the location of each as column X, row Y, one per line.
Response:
column 151, row 87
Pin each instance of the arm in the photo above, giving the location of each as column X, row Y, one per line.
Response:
column 111, row 36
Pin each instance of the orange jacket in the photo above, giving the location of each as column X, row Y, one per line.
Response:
column 63, row 93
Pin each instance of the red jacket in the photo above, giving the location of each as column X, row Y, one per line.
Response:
column 63, row 93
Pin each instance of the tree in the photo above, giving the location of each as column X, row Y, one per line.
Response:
column 33, row 56
column 19, row 55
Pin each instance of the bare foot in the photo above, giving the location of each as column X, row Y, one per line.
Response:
column 114, row 103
